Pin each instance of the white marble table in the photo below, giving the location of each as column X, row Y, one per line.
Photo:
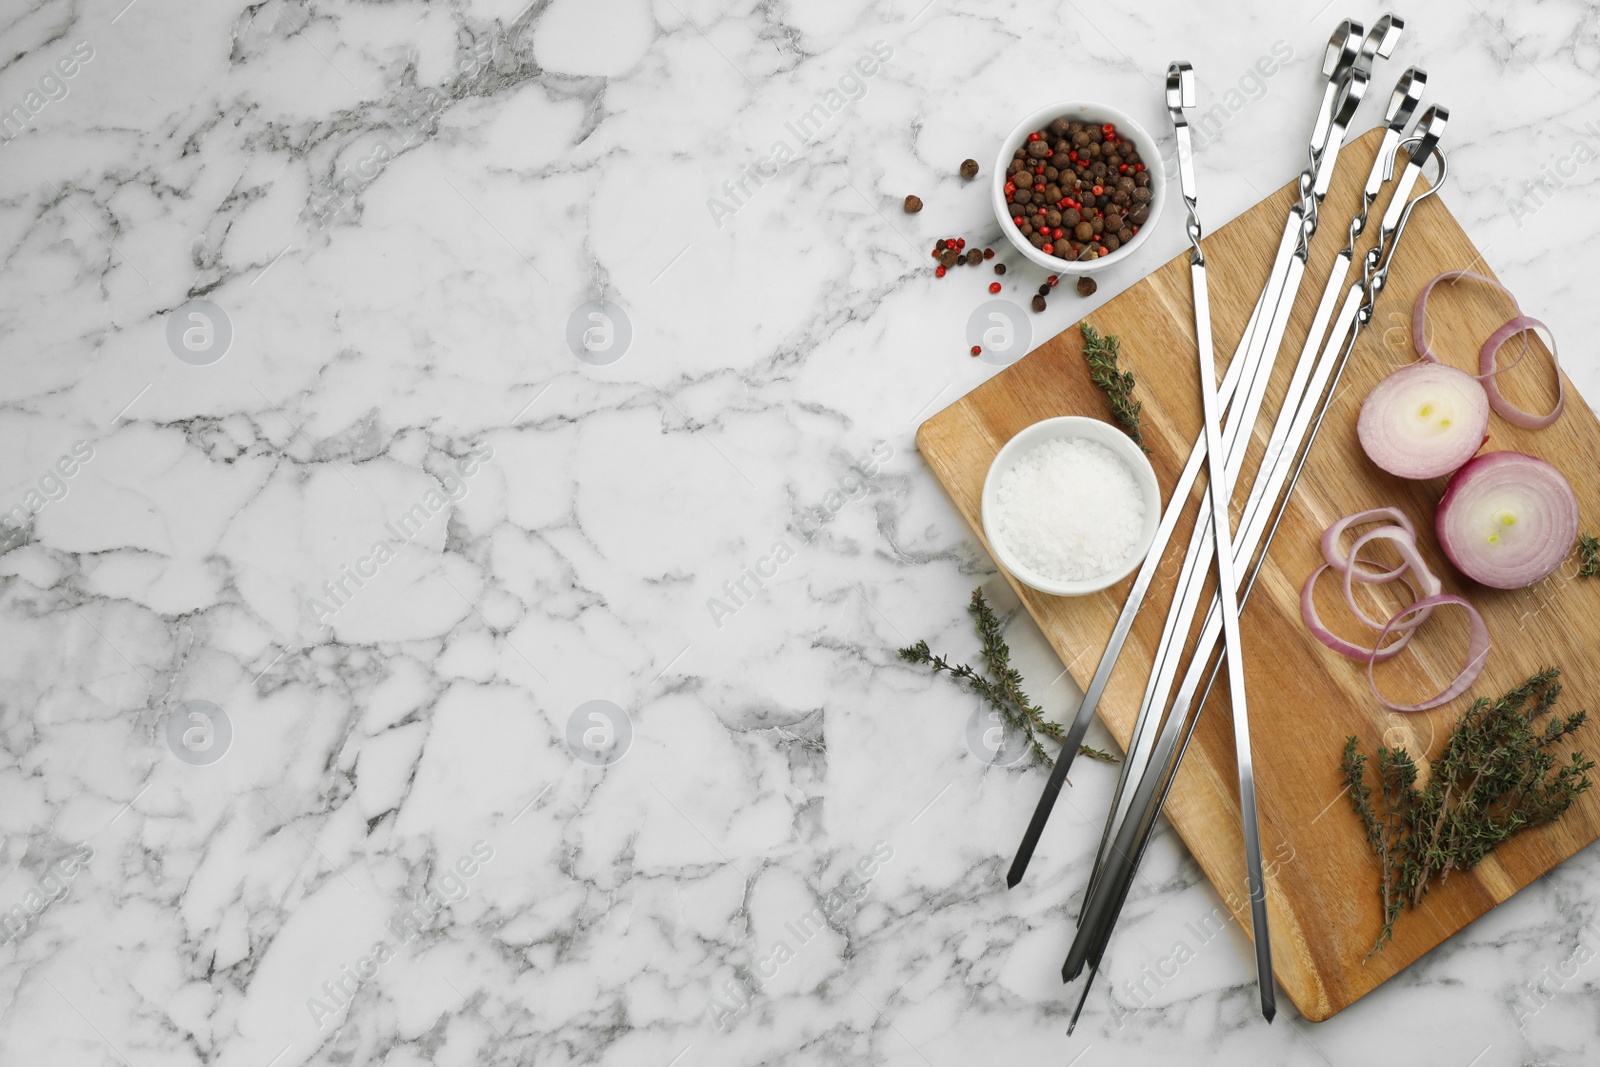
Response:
column 369, row 530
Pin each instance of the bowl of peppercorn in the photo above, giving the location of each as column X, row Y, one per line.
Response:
column 1077, row 187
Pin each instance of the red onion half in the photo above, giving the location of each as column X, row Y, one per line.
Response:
column 1424, row 420
column 1507, row 520
column 1486, row 373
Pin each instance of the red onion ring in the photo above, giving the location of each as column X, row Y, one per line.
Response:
column 1477, row 653
column 1419, row 310
column 1308, row 611
column 1486, row 374
column 1339, row 562
column 1407, row 545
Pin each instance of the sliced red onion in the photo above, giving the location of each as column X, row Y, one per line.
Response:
column 1486, row 374
column 1477, row 652
column 1419, row 310
column 1424, row 420
column 1427, row 583
column 1507, row 519
column 1339, row 561
column 1308, row 611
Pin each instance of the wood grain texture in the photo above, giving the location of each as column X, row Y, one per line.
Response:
column 1305, row 700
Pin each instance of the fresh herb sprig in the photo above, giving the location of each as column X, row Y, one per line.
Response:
column 1497, row 775
column 1588, row 555
column 1003, row 690
column 1101, row 355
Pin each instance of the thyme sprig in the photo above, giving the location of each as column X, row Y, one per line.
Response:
column 1003, row 690
column 1588, row 555
column 1101, row 355
column 1498, row 774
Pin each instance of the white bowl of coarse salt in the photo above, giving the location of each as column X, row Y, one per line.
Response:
column 1070, row 506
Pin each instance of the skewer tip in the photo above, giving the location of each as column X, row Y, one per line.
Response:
column 1269, row 1007
column 1083, row 998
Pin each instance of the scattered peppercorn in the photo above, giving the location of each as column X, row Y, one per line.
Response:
column 938, row 272
column 999, row 268
column 988, row 253
column 969, row 169
column 977, row 350
column 1038, row 303
column 1086, row 286
column 913, row 204
column 1051, row 281
column 994, row 287
column 974, row 257
column 938, row 246
column 1044, row 290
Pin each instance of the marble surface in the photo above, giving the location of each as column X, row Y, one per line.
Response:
column 370, row 532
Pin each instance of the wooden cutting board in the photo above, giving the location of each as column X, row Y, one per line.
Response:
column 1323, row 897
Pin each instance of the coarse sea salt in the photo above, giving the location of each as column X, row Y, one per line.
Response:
column 1070, row 509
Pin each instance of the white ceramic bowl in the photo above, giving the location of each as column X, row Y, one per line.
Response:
column 1093, row 430
column 1078, row 111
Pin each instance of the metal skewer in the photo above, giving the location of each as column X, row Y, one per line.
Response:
column 1342, row 53
column 1181, row 97
column 1241, row 423
column 1308, row 418
column 1344, row 94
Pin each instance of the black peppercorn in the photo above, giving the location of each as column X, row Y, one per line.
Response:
column 969, row 168
column 913, row 204
column 1086, row 286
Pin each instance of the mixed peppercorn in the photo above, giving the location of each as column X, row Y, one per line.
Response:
column 953, row 252
column 1077, row 190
